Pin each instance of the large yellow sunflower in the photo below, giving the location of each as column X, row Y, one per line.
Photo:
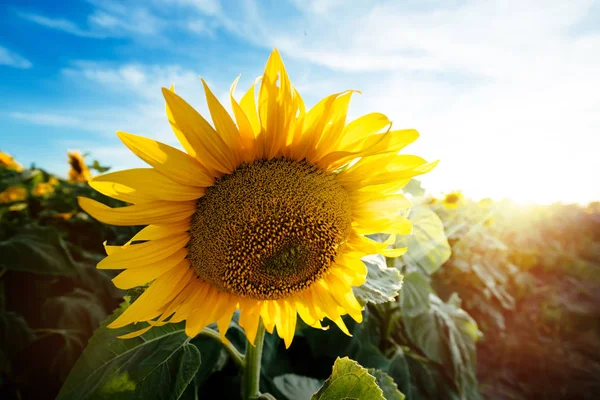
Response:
column 268, row 214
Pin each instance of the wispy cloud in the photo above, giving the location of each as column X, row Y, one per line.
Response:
column 12, row 59
column 47, row 119
column 501, row 91
column 108, row 19
column 59, row 24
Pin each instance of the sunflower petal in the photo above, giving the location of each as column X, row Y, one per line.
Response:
column 138, row 255
column 133, row 277
column 209, row 148
column 156, row 212
column 142, row 185
column 172, row 163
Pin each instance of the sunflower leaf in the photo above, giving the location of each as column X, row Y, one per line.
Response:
column 446, row 334
column 428, row 247
column 15, row 336
column 349, row 380
column 382, row 283
column 414, row 187
column 158, row 364
column 387, row 385
column 414, row 296
column 38, row 250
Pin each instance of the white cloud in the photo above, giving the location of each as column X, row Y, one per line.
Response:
column 12, row 59
column 47, row 119
column 108, row 19
column 501, row 91
column 59, row 24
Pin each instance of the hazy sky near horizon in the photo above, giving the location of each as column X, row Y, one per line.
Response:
column 505, row 93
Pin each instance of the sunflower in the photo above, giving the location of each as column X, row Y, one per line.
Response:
column 267, row 215
column 79, row 172
column 12, row 194
column 452, row 200
column 42, row 189
column 9, row 162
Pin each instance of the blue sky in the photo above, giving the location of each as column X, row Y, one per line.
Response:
column 505, row 93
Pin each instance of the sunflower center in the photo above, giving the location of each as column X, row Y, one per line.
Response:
column 269, row 229
column 451, row 198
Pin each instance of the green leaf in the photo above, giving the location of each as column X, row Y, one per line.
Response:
column 296, row 387
column 428, row 247
column 76, row 315
column 383, row 283
column 38, row 250
column 15, row 336
column 96, row 165
column 446, row 334
column 78, row 310
column 414, row 187
column 349, row 381
column 414, row 296
column 387, row 385
column 160, row 364
column 401, row 373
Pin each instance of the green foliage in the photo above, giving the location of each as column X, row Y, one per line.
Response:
column 382, row 283
column 38, row 250
column 15, row 336
column 52, row 297
column 96, row 166
column 349, row 381
column 159, row 364
column 411, row 344
column 429, row 248
column 529, row 276
column 387, row 385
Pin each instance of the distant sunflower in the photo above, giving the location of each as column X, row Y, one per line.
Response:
column 268, row 214
column 79, row 172
column 452, row 200
column 42, row 189
column 12, row 194
column 9, row 162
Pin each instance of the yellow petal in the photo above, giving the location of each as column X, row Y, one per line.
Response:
column 172, row 163
column 398, row 225
column 142, row 185
column 209, row 148
column 362, row 127
column 248, row 105
column 288, row 322
column 200, row 317
column 156, row 212
column 250, row 318
column 138, row 255
column 333, row 135
column 135, row 334
column 274, row 105
column 153, row 232
column 160, row 292
column 133, row 277
column 224, row 125
column 247, row 137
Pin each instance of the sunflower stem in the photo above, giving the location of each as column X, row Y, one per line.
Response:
column 251, row 376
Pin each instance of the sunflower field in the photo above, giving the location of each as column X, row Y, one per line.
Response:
column 491, row 301
column 287, row 253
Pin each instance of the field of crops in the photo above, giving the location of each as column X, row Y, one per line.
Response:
column 497, row 301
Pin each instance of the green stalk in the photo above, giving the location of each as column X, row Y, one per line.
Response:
column 251, row 376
